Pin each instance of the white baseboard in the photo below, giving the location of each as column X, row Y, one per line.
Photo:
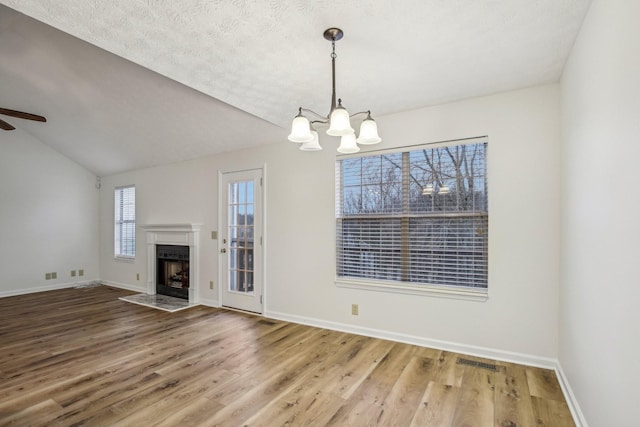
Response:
column 208, row 302
column 574, row 407
column 141, row 289
column 489, row 353
column 33, row 290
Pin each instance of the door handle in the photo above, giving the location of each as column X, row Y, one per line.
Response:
column 223, row 250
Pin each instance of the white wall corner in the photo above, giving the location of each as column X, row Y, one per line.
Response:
column 572, row 402
column 208, row 302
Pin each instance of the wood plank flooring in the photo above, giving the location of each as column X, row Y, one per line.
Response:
column 82, row 357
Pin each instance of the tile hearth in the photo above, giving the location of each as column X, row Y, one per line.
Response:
column 161, row 302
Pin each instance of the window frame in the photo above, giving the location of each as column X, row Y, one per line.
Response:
column 118, row 222
column 399, row 287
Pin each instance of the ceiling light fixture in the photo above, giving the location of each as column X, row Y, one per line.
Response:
column 302, row 130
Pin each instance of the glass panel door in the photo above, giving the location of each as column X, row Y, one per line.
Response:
column 241, row 245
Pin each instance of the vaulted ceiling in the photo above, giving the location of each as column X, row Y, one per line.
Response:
column 131, row 84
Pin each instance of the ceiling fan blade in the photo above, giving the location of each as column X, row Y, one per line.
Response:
column 6, row 126
column 21, row 115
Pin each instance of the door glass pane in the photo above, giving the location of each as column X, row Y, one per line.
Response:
column 233, row 237
column 233, row 255
column 250, row 192
column 233, row 192
column 249, row 281
column 241, row 281
column 242, row 214
column 233, row 215
column 242, row 190
column 232, row 280
column 241, row 235
column 241, row 262
column 249, row 253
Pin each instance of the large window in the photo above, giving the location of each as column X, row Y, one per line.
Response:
column 415, row 218
column 125, row 222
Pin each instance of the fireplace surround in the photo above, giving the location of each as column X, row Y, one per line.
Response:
column 172, row 249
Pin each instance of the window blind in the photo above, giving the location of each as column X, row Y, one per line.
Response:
column 125, row 221
column 418, row 216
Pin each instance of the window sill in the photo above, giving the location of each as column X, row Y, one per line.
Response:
column 467, row 294
column 123, row 258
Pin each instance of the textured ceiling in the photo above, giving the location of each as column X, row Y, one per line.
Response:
column 267, row 57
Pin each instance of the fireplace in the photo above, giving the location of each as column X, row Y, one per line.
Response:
column 172, row 260
column 172, row 275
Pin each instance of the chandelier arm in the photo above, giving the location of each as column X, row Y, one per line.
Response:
column 306, row 110
column 360, row 112
column 324, row 122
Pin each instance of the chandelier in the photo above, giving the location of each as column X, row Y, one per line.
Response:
column 338, row 119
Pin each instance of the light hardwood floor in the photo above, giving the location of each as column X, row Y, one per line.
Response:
column 83, row 357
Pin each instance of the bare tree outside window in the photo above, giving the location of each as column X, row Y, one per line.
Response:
column 417, row 216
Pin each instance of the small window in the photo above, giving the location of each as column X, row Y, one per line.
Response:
column 416, row 218
column 125, row 222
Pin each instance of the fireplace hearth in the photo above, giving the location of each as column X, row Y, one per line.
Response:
column 172, row 275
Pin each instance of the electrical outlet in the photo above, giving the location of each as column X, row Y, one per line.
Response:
column 54, row 275
column 80, row 272
column 47, row 276
column 354, row 309
column 211, row 284
column 137, row 276
column 73, row 273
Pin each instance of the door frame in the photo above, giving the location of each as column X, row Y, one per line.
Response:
column 222, row 204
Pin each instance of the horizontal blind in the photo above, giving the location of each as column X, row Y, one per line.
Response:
column 417, row 216
column 125, row 221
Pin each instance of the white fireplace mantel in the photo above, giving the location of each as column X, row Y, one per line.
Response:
column 173, row 234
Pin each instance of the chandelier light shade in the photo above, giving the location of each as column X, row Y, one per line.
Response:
column 300, row 129
column 339, row 122
column 338, row 119
column 348, row 144
column 368, row 132
column 313, row 145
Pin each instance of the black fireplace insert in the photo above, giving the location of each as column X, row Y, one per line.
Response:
column 172, row 270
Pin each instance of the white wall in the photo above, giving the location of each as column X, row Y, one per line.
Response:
column 600, row 289
column 521, row 314
column 48, row 217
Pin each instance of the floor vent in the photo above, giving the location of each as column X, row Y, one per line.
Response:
column 482, row 365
